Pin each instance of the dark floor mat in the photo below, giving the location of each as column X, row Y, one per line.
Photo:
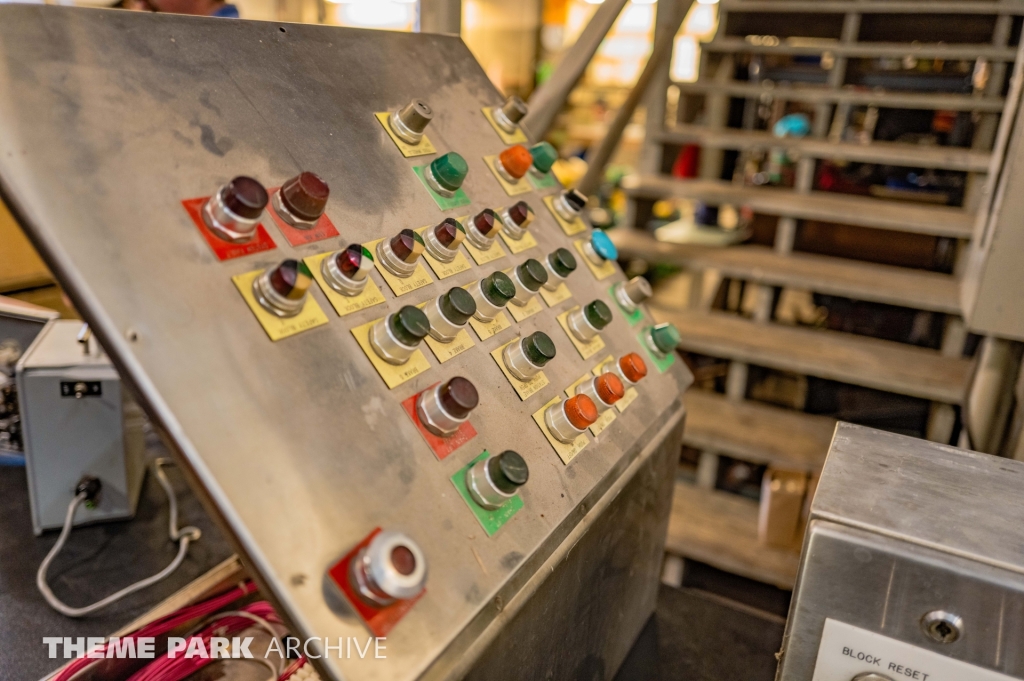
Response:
column 697, row 636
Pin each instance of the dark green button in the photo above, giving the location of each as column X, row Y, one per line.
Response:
column 532, row 274
column 409, row 325
column 666, row 337
column 449, row 170
column 544, row 156
column 539, row 348
column 498, row 289
column 563, row 262
column 598, row 314
column 508, row 471
column 457, row 306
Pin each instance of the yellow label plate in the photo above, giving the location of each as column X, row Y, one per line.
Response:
column 492, row 328
column 560, row 294
column 518, row 137
column 279, row 327
column 490, row 255
column 520, row 313
column 518, row 245
column 631, row 393
column 393, row 376
column 400, row 285
column 586, row 350
column 605, row 419
column 524, row 389
column 408, row 150
column 627, row 399
column 602, row 271
column 511, row 188
column 445, row 351
column 566, row 452
column 443, row 270
column 570, row 228
column 344, row 305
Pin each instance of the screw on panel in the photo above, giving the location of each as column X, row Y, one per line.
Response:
column 942, row 626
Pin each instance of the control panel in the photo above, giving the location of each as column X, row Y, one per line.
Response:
column 388, row 348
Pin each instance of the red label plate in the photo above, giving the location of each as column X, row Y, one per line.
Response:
column 379, row 620
column 323, row 229
column 225, row 250
column 441, row 446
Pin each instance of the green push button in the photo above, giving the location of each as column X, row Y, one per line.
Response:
column 409, row 325
column 532, row 274
column 598, row 314
column 449, row 170
column 665, row 337
column 539, row 348
column 508, row 471
column 544, row 156
column 498, row 289
column 457, row 305
column 563, row 262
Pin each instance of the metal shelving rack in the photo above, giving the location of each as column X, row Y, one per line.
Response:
column 719, row 528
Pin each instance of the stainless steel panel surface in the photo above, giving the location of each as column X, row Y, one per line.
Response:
column 950, row 499
column 901, row 527
column 109, row 119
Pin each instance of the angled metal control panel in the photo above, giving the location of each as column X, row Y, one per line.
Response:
column 405, row 422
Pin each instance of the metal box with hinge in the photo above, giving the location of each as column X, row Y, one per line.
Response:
column 912, row 567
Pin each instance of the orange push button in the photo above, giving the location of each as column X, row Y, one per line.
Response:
column 567, row 419
column 513, row 163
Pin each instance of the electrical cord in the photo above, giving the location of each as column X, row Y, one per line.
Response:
column 269, row 629
column 184, row 536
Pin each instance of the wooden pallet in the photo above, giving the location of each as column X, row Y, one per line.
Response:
column 859, row 360
column 720, row 529
column 917, row 289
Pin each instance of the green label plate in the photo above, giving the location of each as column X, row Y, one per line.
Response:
column 444, row 203
column 491, row 521
column 546, row 182
column 662, row 363
column 633, row 318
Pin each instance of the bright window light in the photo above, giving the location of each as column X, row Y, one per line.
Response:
column 685, row 59
column 396, row 15
column 636, row 19
column 701, row 21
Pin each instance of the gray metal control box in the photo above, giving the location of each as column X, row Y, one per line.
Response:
column 78, row 420
column 913, row 565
